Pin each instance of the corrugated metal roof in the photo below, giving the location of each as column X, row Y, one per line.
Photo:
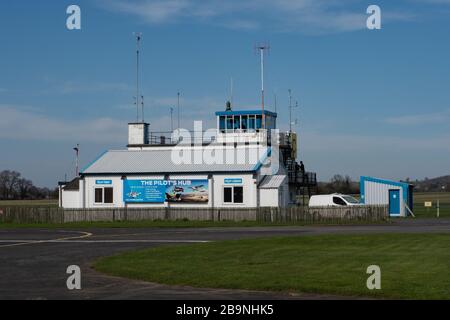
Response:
column 73, row 185
column 272, row 182
column 160, row 161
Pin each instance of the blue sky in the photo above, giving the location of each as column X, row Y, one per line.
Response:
column 371, row 102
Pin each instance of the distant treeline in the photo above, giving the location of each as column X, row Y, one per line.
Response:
column 339, row 184
column 14, row 187
column 344, row 184
column 439, row 184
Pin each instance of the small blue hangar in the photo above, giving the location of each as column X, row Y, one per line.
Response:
column 397, row 195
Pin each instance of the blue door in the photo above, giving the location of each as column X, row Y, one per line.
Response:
column 394, row 202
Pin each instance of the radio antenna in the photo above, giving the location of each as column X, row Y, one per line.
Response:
column 142, row 107
column 262, row 48
column 77, row 160
column 178, row 107
column 138, row 36
column 231, row 92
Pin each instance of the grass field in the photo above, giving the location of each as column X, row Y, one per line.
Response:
column 421, row 211
column 29, row 203
column 412, row 266
column 163, row 224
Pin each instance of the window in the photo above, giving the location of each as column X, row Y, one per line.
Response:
column 222, row 123
column 237, row 122
column 233, row 195
column 251, row 123
column 99, row 195
column 228, row 195
column 339, row 201
column 258, row 122
column 244, row 125
column 230, row 123
column 350, row 200
column 238, row 195
column 108, row 195
column 104, row 195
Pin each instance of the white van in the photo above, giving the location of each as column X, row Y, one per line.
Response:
column 333, row 200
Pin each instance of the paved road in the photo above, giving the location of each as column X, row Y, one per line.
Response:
column 33, row 261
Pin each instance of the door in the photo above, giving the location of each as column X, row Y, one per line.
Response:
column 394, row 202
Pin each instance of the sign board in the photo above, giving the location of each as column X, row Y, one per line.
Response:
column 428, row 204
column 160, row 191
column 103, row 182
column 233, row 181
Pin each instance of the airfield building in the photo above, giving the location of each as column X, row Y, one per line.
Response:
column 245, row 163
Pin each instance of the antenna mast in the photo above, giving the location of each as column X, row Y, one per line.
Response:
column 262, row 48
column 77, row 160
column 171, row 119
column 290, row 110
column 142, row 107
column 231, row 92
column 138, row 36
column 178, row 107
column 275, row 101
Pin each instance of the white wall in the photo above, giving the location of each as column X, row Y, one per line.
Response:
column 85, row 198
column 249, row 191
column 70, row 199
column 268, row 198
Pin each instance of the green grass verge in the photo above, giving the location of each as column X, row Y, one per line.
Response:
column 420, row 198
column 167, row 224
column 28, row 203
column 413, row 266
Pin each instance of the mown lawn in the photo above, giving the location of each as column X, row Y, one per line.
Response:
column 28, row 203
column 170, row 224
column 419, row 204
column 413, row 266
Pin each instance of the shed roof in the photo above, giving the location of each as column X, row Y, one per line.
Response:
column 72, row 185
column 160, row 161
column 272, row 182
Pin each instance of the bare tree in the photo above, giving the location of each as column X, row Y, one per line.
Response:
column 8, row 183
column 23, row 187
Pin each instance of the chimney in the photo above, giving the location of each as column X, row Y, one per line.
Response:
column 138, row 133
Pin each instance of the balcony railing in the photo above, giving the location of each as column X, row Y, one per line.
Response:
column 169, row 138
column 303, row 179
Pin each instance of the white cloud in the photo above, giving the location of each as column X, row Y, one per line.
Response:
column 76, row 87
column 420, row 119
column 18, row 123
column 378, row 155
column 306, row 16
column 368, row 144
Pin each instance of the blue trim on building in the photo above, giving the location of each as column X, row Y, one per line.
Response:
column 245, row 112
column 362, row 190
column 94, row 161
column 384, row 181
column 264, row 158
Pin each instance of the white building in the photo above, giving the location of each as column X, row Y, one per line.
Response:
column 398, row 196
column 240, row 167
